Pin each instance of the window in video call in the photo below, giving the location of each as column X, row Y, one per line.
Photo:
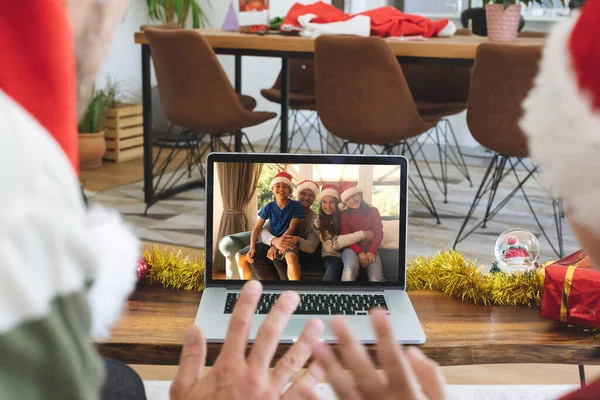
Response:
column 310, row 222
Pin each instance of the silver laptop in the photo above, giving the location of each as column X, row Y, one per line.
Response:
column 384, row 184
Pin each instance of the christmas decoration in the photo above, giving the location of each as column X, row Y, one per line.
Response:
column 450, row 273
column 571, row 293
column 174, row 270
column 231, row 22
column 517, row 250
column 142, row 268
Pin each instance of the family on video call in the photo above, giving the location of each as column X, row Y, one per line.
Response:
column 325, row 232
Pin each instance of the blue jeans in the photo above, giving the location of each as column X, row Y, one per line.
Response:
column 352, row 267
column 333, row 269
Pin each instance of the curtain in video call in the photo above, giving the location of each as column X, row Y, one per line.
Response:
column 310, row 222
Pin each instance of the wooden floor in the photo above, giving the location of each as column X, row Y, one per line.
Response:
column 112, row 175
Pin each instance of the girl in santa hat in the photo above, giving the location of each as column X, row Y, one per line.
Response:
column 359, row 216
column 327, row 226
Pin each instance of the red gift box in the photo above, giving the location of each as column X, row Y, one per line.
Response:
column 571, row 292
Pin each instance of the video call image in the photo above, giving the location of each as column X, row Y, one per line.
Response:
column 309, row 222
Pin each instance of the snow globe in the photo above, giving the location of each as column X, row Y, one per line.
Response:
column 517, row 250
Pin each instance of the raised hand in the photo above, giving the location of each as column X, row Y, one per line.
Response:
column 407, row 375
column 235, row 376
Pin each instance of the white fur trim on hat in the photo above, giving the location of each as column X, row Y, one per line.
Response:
column 281, row 179
column 328, row 192
column 310, row 185
column 350, row 192
column 564, row 130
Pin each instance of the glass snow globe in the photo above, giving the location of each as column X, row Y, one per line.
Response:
column 517, row 250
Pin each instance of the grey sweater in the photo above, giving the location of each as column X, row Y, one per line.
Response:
column 332, row 244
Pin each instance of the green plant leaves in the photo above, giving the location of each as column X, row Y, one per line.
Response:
column 90, row 122
column 178, row 10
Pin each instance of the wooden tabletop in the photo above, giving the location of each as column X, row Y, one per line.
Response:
column 458, row 333
column 455, row 47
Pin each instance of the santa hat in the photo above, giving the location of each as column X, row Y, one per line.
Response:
column 307, row 184
column 282, row 177
column 329, row 190
column 562, row 114
column 348, row 189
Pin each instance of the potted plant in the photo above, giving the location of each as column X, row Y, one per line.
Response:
column 502, row 18
column 91, row 138
column 177, row 12
column 122, row 123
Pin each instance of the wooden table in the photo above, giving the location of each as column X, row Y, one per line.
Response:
column 456, row 50
column 458, row 333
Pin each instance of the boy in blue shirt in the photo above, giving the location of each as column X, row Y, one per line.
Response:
column 284, row 215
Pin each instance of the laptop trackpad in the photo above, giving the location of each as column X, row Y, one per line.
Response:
column 295, row 326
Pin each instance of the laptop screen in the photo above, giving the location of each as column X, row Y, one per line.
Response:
column 306, row 220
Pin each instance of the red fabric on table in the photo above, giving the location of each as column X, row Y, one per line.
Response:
column 385, row 21
column 583, row 302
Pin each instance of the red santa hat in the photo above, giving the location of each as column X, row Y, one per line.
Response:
column 282, row 177
column 329, row 190
column 562, row 114
column 348, row 189
column 307, row 184
column 40, row 74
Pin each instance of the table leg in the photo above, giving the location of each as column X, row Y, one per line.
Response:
column 147, row 126
column 238, row 89
column 582, row 375
column 285, row 93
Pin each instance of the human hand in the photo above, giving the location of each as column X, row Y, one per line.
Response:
column 363, row 260
column 369, row 235
column 407, row 374
column 235, row 376
column 272, row 253
column 250, row 256
column 371, row 257
column 286, row 242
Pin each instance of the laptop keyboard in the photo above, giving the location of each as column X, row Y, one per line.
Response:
column 318, row 304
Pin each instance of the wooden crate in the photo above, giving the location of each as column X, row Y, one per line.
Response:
column 123, row 131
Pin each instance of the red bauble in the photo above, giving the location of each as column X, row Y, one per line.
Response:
column 142, row 269
column 511, row 241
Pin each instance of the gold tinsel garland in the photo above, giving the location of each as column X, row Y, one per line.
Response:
column 173, row 269
column 448, row 272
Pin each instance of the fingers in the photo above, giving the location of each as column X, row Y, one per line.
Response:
column 304, row 388
column 335, row 373
column 297, row 355
column 241, row 321
column 357, row 360
column 428, row 374
column 401, row 380
column 267, row 339
column 191, row 362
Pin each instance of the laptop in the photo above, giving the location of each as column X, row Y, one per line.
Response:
column 384, row 184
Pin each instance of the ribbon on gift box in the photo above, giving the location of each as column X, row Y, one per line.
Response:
column 567, row 290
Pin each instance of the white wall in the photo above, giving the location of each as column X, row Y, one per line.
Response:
column 123, row 61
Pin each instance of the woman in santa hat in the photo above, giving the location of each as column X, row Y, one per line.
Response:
column 327, row 226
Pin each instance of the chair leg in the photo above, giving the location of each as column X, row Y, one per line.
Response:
column 499, row 168
column 424, row 198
